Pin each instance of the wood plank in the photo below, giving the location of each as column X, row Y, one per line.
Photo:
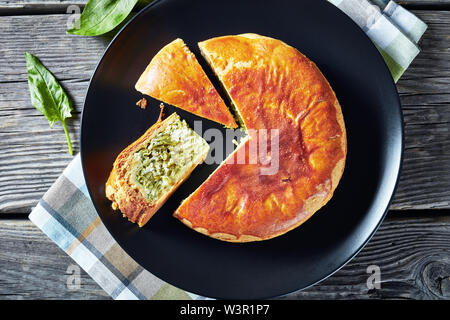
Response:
column 424, row 4
column 67, row 56
column 33, row 267
column 33, row 155
column 413, row 254
column 22, row 7
column 425, row 97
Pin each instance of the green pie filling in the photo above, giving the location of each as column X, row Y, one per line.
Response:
column 167, row 157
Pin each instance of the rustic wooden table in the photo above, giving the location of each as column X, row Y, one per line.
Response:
column 412, row 247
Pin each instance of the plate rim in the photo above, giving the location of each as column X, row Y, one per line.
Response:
column 398, row 170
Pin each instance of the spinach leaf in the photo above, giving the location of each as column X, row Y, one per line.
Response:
column 101, row 16
column 47, row 95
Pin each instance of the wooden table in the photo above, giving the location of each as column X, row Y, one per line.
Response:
column 412, row 247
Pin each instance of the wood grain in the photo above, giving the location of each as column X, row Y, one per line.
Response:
column 413, row 254
column 425, row 95
column 425, row 4
column 33, row 267
column 42, row 7
column 27, row 7
column 33, row 155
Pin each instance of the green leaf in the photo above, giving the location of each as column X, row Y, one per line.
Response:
column 101, row 16
column 47, row 95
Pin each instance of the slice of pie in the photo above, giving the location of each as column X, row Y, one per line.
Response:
column 148, row 171
column 275, row 89
column 175, row 77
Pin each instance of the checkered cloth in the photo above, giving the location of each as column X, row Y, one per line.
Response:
column 67, row 216
column 394, row 30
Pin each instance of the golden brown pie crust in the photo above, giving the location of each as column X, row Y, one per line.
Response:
column 273, row 86
column 174, row 76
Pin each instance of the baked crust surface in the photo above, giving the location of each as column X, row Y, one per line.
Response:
column 174, row 76
column 273, row 86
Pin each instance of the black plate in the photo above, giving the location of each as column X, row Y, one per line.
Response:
column 304, row 256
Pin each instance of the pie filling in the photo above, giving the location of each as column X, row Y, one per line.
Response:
column 161, row 163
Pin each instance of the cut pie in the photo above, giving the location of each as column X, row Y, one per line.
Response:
column 174, row 76
column 274, row 88
column 148, row 171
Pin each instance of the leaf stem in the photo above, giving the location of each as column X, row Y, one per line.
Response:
column 68, row 137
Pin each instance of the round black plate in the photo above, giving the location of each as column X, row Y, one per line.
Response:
column 304, row 256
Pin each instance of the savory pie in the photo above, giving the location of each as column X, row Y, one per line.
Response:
column 175, row 77
column 148, row 171
column 273, row 89
column 276, row 89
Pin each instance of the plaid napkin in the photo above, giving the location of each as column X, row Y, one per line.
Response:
column 394, row 30
column 67, row 216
